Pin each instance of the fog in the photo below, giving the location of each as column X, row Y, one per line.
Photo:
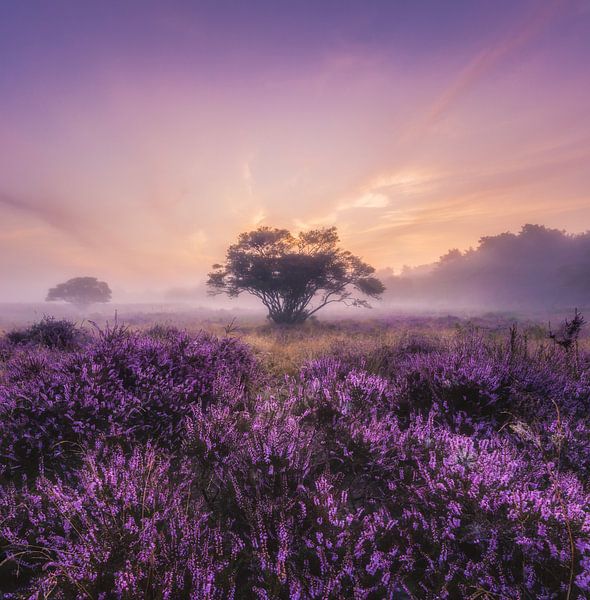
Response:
column 536, row 269
column 536, row 272
column 136, row 144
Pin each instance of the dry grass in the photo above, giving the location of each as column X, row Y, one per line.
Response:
column 284, row 349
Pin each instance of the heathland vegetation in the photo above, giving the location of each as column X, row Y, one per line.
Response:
column 426, row 459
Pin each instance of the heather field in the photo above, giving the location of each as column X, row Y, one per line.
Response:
column 294, row 300
column 396, row 458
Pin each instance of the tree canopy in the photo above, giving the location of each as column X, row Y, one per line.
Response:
column 80, row 291
column 294, row 276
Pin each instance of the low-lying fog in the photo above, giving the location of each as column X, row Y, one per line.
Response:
column 538, row 272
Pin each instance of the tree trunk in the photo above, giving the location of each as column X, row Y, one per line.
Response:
column 287, row 317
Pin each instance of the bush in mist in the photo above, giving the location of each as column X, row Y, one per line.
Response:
column 50, row 332
column 81, row 292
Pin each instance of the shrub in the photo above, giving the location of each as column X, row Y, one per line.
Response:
column 59, row 334
column 162, row 331
column 123, row 386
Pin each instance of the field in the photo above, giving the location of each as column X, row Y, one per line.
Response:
column 399, row 457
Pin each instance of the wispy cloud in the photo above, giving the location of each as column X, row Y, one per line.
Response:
column 486, row 60
column 48, row 212
column 147, row 166
column 371, row 200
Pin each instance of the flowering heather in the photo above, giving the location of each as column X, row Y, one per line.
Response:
column 161, row 466
column 122, row 386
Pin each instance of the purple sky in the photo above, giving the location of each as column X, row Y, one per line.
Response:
column 137, row 139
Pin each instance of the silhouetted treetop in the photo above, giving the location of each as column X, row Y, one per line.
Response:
column 294, row 276
column 537, row 267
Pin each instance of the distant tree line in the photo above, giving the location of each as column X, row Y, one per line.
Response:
column 535, row 268
column 294, row 276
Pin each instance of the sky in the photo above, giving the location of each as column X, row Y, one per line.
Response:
column 139, row 138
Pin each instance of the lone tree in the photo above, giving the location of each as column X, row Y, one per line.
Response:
column 294, row 276
column 80, row 291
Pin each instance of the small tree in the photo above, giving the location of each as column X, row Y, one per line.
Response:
column 294, row 276
column 80, row 291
